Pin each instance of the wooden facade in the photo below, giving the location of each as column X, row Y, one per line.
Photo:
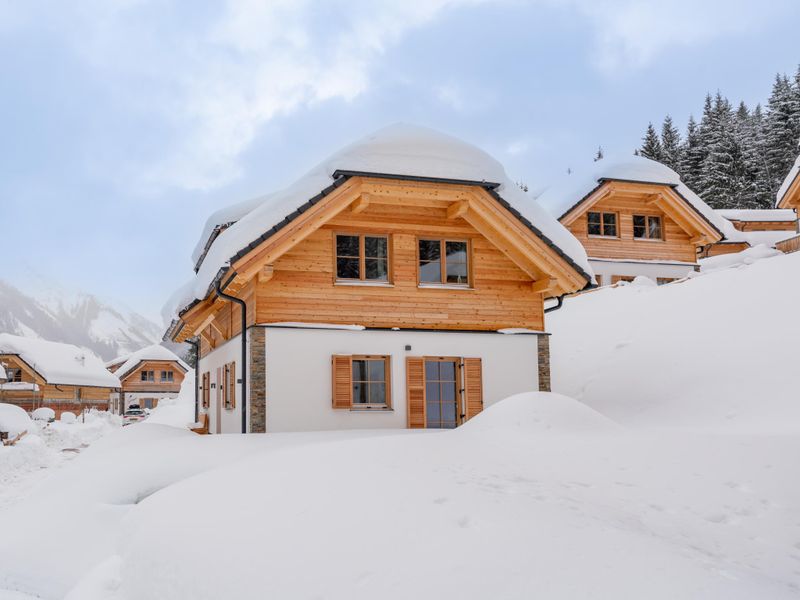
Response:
column 683, row 230
column 133, row 382
column 791, row 199
column 39, row 392
column 291, row 277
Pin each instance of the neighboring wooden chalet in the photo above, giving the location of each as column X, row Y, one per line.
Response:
column 789, row 198
column 59, row 376
column 374, row 291
column 635, row 217
column 752, row 227
column 146, row 376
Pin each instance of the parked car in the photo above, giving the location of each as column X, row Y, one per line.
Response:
column 133, row 415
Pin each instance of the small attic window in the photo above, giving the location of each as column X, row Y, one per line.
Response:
column 602, row 224
column 647, row 228
column 362, row 257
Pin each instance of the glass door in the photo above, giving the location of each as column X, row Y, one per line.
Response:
column 441, row 393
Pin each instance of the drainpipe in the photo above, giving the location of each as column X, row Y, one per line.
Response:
column 243, row 306
column 560, row 303
column 196, row 343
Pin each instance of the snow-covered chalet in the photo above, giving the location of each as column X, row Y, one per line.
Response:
column 789, row 197
column 146, row 376
column 400, row 284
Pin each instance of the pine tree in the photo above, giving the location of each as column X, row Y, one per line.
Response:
column 781, row 129
column 670, row 144
column 719, row 174
column 692, row 156
column 651, row 144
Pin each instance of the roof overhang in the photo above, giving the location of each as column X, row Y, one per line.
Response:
column 478, row 202
column 791, row 198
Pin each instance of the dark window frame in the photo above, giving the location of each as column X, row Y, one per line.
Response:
column 148, row 376
column 443, row 262
column 362, row 258
column 14, row 374
column 602, row 224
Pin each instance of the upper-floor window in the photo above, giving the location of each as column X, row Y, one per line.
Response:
column 444, row 262
column 148, row 376
column 167, row 376
column 647, row 228
column 602, row 223
column 14, row 375
column 362, row 257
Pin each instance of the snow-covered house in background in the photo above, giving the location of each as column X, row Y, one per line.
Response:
column 789, row 198
column 59, row 376
column 635, row 217
column 401, row 283
column 146, row 376
column 752, row 227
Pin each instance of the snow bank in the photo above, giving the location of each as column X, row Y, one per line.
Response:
column 177, row 412
column 68, row 417
column 43, row 414
column 153, row 352
column 537, row 413
column 14, row 419
column 758, row 215
column 59, row 363
column 715, row 352
column 737, row 259
column 397, row 150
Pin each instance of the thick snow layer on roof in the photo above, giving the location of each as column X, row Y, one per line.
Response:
column 397, row 150
column 790, row 177
column 154, row 352
column 560, row 197
column 758, row 215
column 59, row 363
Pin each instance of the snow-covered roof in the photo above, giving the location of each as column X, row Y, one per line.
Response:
column 59, row 363
column 573, row 188
column 758, row 215
column 400, row 149
column 118, row 360
column 793, row 174
column 154, row 352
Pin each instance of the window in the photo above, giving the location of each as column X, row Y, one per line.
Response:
column 647, row 228
column 14, row 375
column 444, row 262
column 602, row 223
column 167, row 376
column 362, row 257
column 361, row 382
column 441, row 391
column 148, row 375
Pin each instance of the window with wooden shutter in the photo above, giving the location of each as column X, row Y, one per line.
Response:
column 230, row 386
column 342, row 384
column 473, row 387
column 206, row 389
column 415, row 392
column 219, row 387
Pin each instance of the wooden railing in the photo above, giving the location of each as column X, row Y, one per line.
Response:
column 790, row 245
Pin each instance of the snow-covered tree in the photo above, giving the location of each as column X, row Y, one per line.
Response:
column 692, row 156
column 670, row 144
column 651, row 144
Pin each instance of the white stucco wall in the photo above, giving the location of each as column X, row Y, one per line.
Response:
column 230, row 351
column 298, row 371
column 653, row 270
column 136, row 397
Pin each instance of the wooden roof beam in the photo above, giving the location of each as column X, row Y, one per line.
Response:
column 544, row 285
column 266, row 273
column 457, row 209
column 360, row 204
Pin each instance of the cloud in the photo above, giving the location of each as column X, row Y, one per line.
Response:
column 632, row 33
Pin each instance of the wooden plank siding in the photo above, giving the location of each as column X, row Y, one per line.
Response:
column 790, row 245
column 676, row 244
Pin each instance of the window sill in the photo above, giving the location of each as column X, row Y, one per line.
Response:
column 380, row 284
column 443, row 286
column 594, row 236
column 372, row 409
column 655, row 241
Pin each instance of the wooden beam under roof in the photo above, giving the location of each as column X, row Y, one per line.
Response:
column 360, row 204
column 457, row 209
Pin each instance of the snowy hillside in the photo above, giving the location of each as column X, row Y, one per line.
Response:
column 79, row 319
column 716, row 352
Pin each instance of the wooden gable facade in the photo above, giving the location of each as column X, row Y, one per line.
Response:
column 681, row 230
column 30, row 390
column 291, row 276
column 791, row 199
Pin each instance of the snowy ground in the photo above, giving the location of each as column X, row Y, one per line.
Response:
column 674, row 478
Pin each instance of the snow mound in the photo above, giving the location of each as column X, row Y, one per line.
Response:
column 536, row 413
column 14, row 420
column 68, row 417
column 177, row 412
column 43, row 414
column 737, row 259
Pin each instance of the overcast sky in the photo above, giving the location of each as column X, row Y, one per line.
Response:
column 125, row 123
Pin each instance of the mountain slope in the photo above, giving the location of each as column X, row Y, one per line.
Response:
column 82, row 319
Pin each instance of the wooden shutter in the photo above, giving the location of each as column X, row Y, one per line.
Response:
column 206, row 389
column 415, row 392
column 342, row 389
column 232, row 385
column 473, row 387
column 219, row 386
